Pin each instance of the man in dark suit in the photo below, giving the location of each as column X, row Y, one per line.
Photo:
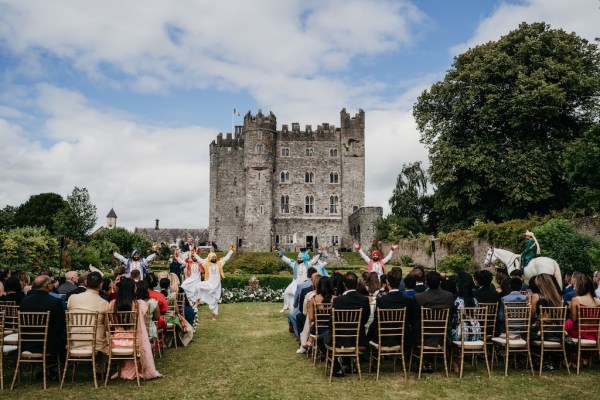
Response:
column 393, row 300
column 349, row 300
column 81, row 282
column 70, row 284
column 486, row 292
column 296, row 317
column 434, row 297
column 419, row 273
column 39, row 300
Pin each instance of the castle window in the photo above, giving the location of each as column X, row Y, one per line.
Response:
column 332, row 152
column 284, row 176
column 309, row 177
column 262, row 209
column 285, row 204
column 237, row 211
column 333, row 205
column 335, row 239
column 288, row 239
column 285, row 152
column 235, row 181
column 260, row 149
column 333, row 177
column 354, row 208
column 259, row 135
column 259, row 175
column 309, row 152
column 309, row 204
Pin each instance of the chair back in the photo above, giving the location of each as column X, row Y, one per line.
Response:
column 492, row 318
column 122, row 325
column 434, row 325
column 552, row 323
column 181, row 303
column 589, row 321
column 517, row 319
column 322, row 317
column 11, row 318
column 390, row 324
column 33, row 332
column 8, row 303
column 81, row 330
column 345, row 327
column 2, row 313
column 473, row 323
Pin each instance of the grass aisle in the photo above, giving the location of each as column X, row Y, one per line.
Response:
column 248, row 354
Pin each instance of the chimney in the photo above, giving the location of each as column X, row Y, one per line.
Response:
column 156, row 227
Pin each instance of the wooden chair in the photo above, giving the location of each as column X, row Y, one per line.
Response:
column 473, row 323
column 4, row 349
column 345, row 334
column 11, row 324
column 390, row 334
column 81, row 342
column 552, row 333
column 122, row 327
column 181, row 303
column 492, row 319
column 171, row 326
column 33, row 333
column 322, row 313
column 8, row 303
column 588, row 321
column 156, row 343
column 517, row 322
column 434, row 325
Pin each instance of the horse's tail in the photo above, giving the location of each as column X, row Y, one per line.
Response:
column 557, row 274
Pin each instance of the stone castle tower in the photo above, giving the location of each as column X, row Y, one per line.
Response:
column 290, row 188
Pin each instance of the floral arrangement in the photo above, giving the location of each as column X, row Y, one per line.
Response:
column 244, row 295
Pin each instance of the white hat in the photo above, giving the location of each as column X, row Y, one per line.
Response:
column 94, row 269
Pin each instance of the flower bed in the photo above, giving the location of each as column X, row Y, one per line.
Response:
column 245, row 295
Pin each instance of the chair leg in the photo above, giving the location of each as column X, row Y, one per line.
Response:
column 420, row 362
column 107, row 370
column 62, row 379
column 94, row 370
column 16, row 372
column 541, row 358
column 462, row 361
column 137, row 372
column 487, row 364
column 358, row 365
column 403, row 365
column 566, row 360
column 378, row 363
column 331, row 366
column 531, row 363
column 446, row 362
column 506, row 360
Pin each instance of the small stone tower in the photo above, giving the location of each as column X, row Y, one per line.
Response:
column 111, row 219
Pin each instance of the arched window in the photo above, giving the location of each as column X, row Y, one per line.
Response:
column 309, row 152
column 309, row 204
column 333, row 205
column 334, row 177
column 260, row 149
column 284, row 176
column 309, row 177
column 285, row 204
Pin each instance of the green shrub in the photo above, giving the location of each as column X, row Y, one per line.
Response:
column 507, row 235
column 271, row 281
column 458, row 242
column 28, row 250
column 406, row 261
column 457, row 262
column 255, row 263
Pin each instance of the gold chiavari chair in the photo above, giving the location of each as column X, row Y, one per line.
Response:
column 473, row 323
column 345, row 334
column 4, row 349
column 81, row 341
column 322, row 313
column 390, row 334
column 517, row 323
column 588, row 320
column 122, row 328
column 552, row 333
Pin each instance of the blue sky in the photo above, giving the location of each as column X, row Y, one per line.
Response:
column 124, row 97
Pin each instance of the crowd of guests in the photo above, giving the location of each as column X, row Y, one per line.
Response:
column 421, row 289
column 152, row 297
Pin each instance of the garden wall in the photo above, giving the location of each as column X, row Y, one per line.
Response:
column 420, row 251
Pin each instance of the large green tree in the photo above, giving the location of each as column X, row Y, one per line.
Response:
column 7, row 217
column 497, row 125
column 78, row 217
column 39, row 211
column 582, row 166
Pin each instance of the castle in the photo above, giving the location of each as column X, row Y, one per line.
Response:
column 290, row 189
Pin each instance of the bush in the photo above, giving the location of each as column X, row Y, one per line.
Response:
column 406, row 261
column 255, row 263
column 270, row 281
column 243, row 295
column 28, row 250
column 574, row 251
column 507, row 235
column 457, row 262
column 458, row 242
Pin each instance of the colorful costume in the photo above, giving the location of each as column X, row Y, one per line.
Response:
column 140, row 264
column 193, row 276
column 379, row 265
column 209, row 290
column 300, row 268
column 532, row 248
column 320, row 261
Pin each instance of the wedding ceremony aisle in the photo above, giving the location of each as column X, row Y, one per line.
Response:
column 248, row 353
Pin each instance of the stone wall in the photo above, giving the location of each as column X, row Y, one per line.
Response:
column 588, row 225
column 362, row 225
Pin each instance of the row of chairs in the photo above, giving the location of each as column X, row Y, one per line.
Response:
column 22, row 330
column 477, row 337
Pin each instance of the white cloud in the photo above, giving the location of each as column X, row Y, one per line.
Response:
column 579, row 16
column 148, row 171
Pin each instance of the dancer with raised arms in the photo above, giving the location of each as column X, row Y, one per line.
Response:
column 375, row 263
column 209, row 290
column 300, row 267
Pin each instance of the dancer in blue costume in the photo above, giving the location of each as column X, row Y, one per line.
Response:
column 300, row 266
column 320, row 261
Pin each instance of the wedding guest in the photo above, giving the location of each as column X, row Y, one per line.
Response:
column 373, row 284
column 409, row 286
column 584, row 288
column 571, row 292
column 13, row 290
column 305, row 329
column 70, row 284
column 81, row 286
column 486, row 292
column 515, row 296
column 419, row 273
column 141, row 293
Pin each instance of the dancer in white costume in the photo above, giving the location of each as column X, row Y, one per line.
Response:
column 193, row 275
column 320, row 259
column 300, row 267
column 209, row 290
column 376, row 264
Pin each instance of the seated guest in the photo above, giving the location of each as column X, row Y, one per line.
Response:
column 189, row 312
column 373, row 284
column 450, row 285
column 502, row 279
column 409, row 285
column 350, row 299
column 70, row 284
column 184, row 331
column 141, row 293
column 567, row 283
column 486, row 292
column 384, row 287
column 305, row 330
column 136, row 275
column 584, row 288
column 13, row 290
column 296, row 318
column 571, row 292
column 546, row 293
column 152, row 281
column 90, row 301
column 394, row 300
column 515, row 296
column 39, row 300
column 518, row 273
column 434, row 297
column 81, row 286
column 107, row 287
column 25, row 279
column 419, row 273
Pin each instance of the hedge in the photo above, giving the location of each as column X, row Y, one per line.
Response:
column 272, row 281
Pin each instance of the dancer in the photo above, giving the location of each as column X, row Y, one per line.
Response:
column 320, row 262
column 375, row 264
column 300, row 266
column 135, row 262
column 209, row 290
column 193, row 275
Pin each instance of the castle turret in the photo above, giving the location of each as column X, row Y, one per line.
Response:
column 111, row 219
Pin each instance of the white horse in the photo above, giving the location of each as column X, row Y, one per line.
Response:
column 538, row 265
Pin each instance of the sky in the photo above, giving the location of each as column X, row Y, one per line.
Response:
column 124, row 98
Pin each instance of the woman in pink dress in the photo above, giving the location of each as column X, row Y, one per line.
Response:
column 126, row 301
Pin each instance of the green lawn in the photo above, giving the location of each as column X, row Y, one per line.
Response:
column 249, row 354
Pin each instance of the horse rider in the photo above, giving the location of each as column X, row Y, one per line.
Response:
column 532, row 249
